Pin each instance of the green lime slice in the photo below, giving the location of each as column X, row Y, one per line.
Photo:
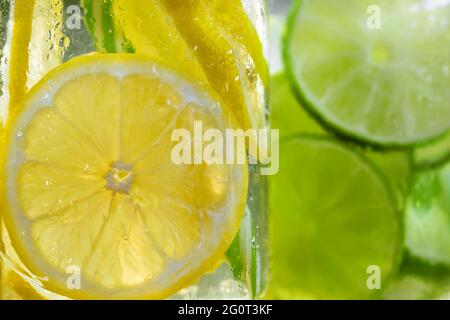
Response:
column 434, row 153
column 427, row 225
column 418, row 281
column 286, row 113
column 290, row 117
column 100, row 22
column 415, row 287
column 332, row 216
column 387, row 86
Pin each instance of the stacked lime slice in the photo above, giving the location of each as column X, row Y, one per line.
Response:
column 333, row 216
column 433, row 154
column 428, row 216
column 374, row 70
column 350, row 197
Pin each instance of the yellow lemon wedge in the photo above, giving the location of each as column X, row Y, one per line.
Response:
column 90, row 188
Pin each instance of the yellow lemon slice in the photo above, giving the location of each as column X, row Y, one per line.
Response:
column 153, row 32
column 32, row 48
column 216, row 42
column 16, row 55
column 14, row 287
column 90, row 188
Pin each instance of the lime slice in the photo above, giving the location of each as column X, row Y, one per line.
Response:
column 428, row 216
column 434, row 153
column 416, row 287
column 103, row 28
column 418, row 280
column 332, row 216
column 289, row 116
column 105, row 198
column 377, row 85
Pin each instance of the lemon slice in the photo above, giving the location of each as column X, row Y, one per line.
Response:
column 89, row 183
column 153, row 32
column 14, row 287
column 15, row 61
column 222, row 50
column 32, row 48
column 216, row 41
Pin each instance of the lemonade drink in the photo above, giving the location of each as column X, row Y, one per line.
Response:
column 93, row 203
